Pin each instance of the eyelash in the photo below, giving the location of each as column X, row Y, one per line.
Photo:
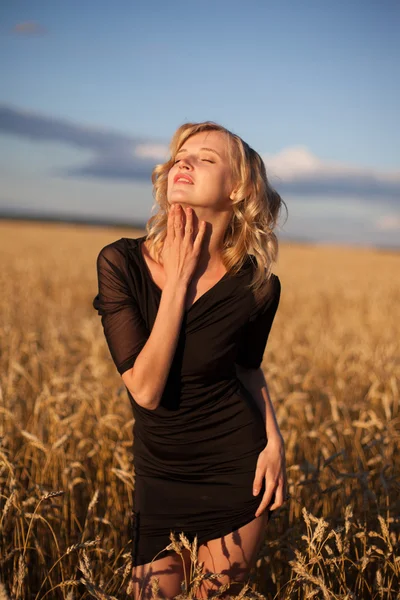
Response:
column 204, row 159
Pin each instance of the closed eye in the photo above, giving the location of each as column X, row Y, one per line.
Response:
column 203, row 159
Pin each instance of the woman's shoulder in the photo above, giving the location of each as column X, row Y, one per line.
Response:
column 121, row 255
column 120, row 250
column 267, row 295
column 249, row 267
column 269, row 298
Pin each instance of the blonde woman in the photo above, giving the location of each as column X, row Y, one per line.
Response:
column 186, row 312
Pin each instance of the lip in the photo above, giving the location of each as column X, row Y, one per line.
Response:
column 182, row 176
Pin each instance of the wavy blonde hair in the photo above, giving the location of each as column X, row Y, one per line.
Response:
column 255, row 208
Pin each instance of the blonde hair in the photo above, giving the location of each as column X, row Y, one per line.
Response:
column 256, row 206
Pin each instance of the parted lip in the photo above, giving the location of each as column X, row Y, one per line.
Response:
column 183, row 176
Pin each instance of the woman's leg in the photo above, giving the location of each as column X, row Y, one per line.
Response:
column 168, row 570
column 233, row 555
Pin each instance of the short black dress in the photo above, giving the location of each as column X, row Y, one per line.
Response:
column 195, row 455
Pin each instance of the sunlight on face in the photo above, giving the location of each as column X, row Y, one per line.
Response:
column 201, row 174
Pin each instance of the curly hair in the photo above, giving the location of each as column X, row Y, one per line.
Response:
column 255, row 208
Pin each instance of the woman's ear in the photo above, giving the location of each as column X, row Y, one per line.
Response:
column 233, row 194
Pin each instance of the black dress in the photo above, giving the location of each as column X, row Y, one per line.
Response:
column 194, row 455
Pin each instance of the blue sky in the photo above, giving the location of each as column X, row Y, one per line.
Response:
column 91, row 93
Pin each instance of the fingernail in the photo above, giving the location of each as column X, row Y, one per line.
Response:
column 255, row 491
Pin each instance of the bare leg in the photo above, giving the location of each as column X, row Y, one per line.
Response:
column 169, row 571
column 233, row 555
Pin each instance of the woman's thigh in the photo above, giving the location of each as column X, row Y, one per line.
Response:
column 233, row 555
column 168, row 570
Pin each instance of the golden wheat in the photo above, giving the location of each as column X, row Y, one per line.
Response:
column 66, row 474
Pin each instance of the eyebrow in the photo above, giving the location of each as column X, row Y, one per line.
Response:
column 208, row 149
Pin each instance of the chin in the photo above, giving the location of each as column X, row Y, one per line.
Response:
column 184, row 201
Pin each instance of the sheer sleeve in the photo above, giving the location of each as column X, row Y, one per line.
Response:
column 123, row 325
column 255, row 334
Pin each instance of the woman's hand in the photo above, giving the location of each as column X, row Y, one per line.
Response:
column 181, row 248
column 271, row 465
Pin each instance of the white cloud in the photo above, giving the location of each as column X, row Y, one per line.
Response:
column 388, row 223
column 298, row 162
column 154, row 151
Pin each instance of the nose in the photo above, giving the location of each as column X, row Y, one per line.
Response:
column 183, row 162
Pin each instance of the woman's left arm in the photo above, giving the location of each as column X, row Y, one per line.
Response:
column 271, row 463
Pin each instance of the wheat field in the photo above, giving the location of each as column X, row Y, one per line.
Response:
column 332, row 365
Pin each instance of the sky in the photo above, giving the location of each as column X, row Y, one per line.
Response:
column 92, row 92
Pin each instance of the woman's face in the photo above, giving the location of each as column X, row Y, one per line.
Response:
column 203, row 164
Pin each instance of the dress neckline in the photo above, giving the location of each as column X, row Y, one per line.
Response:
column 159, row 290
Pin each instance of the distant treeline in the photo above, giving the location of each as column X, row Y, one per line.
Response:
column 15, row 215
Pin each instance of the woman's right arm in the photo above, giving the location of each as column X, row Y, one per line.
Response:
column 147, row 378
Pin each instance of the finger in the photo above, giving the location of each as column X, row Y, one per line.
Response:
column 178, row 222
column 265, row 501
column 258, row 480
column 199, row 238
column 170, row 223
column 260, row 474
column 189, row 225
column 279, row 496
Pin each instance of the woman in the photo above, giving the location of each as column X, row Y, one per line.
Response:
column 186, row 312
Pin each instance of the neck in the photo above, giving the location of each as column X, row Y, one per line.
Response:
column 211, row 250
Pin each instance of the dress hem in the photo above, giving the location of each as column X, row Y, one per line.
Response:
column 223, row 531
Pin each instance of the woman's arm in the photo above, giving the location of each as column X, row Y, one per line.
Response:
column 271, row 461
column 254, row 381
column 147, row 378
